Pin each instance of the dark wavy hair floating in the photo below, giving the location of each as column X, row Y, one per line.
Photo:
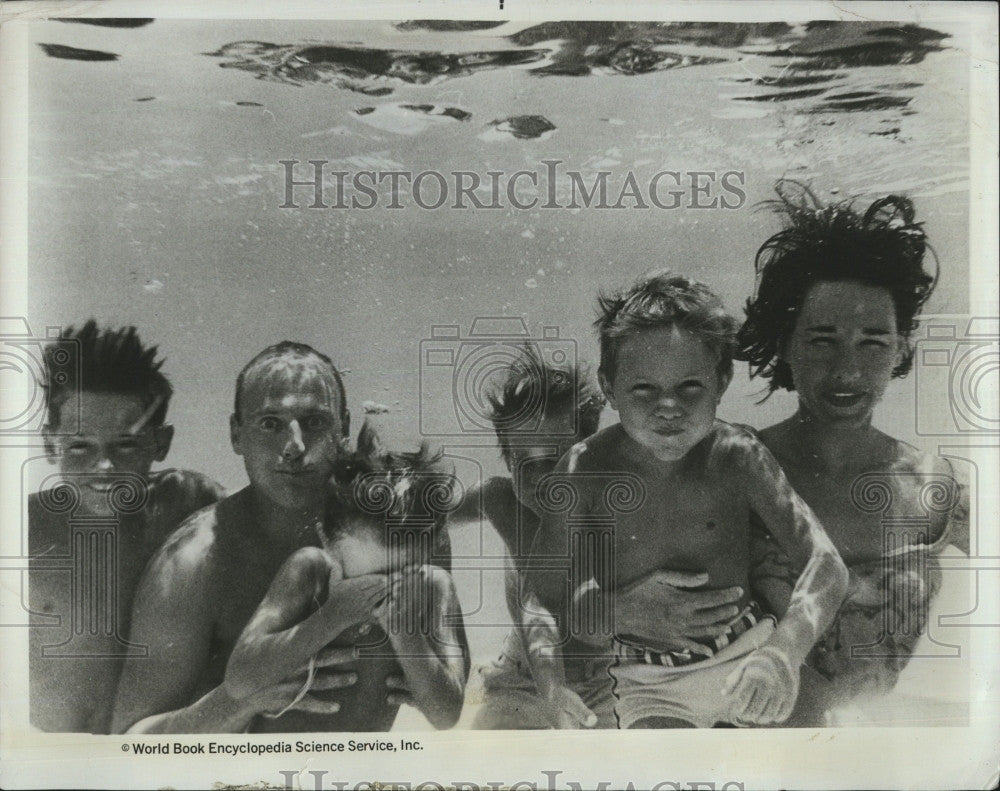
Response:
column 882, row 247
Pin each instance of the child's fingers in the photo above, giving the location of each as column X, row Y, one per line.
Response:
column 582, row 716
column 780, row 709
column 756, row 705
column 746, row 701
column 733, row 679
column 769, row 713
column 570, row 711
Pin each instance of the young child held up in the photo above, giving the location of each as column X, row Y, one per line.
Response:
column 666, row 361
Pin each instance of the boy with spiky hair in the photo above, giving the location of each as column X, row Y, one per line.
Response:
column 538, row 412
column 106, row 426
column 666, row 360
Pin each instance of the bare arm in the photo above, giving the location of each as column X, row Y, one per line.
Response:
column 822, row 584
column 548, row 564
column 423, row 621
column 289, row 628
column 544, row 608
column 539, row 635
column 171, row 616
column 772, row 577
column 470, row 509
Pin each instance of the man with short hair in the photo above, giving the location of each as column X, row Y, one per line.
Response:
column 290, row 425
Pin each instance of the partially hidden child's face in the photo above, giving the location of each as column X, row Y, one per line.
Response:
column 842, row 351
column 289, row 435
column 114, row 440
column 529, row 463
column 665, row 390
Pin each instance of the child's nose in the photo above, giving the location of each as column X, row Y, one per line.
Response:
column 104, row 463
column 669, row 404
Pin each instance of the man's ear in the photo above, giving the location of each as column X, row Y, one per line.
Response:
column 234, row 434
column 51, row 451
column 163, row 436
column 605, row 384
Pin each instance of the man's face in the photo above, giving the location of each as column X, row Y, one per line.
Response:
column 289, row 434
column 666, row 390
column 113, row 441
column 528, row 463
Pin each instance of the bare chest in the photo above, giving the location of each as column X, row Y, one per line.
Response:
column 870, row 514
column 685, row 526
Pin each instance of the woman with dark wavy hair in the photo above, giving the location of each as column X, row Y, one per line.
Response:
column 837, row 299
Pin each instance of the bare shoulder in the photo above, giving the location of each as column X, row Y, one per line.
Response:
column 778, row 438
column 48, row 531
column 599, row 452
column 308, row 565
column 501, row 508
column 736, row 444
column 904, row 458
column 189, row 554
column 498, row 496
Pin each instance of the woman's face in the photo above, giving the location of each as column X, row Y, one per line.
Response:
column 842, row 351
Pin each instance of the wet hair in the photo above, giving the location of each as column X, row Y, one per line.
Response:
column 104, row 360
column 410, row 494
column 294, row 368
column 533, row 389
column 664, row 299
column 883, row 247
